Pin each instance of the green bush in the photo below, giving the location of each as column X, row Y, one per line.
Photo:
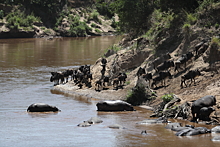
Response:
column 18, row 19
column 138, row 95
column 167, row 97
column 94, row 16
column 1, row 14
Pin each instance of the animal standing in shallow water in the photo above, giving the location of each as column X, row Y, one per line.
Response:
column 42, row 107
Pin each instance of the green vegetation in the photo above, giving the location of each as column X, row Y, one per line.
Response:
column 167, row 97
column 139, row 95
column 1, row 14
column 18, row 19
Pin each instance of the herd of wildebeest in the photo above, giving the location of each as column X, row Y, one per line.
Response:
column 82, row 76
column 162, row 70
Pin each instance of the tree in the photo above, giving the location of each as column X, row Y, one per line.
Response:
column 133, row 15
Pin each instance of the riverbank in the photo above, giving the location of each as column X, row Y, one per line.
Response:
column 17, row 21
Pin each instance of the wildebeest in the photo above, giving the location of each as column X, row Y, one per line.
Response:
column 182, row 60
column 106, row 80
column 67, row 73
column 192, row 74
column 161, row 78
column 122, row 78
column 160, row 60
column 56, row 76
column 98, row 84
column 198, row 46
column 202, row 49
column 115, row 83
column 147, row 77
column 140, row 71
column 205, row 112
column 165, row 65
column 205, row 101
column 103, row 61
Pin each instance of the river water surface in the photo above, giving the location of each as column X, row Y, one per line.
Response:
column 25, row 66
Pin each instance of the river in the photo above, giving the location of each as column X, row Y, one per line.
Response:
column 25, row 66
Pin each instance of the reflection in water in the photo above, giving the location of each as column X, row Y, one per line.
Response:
column 25, row 66
column 41, row 114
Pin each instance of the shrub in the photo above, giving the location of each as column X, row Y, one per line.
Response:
column 17, row 19
column 167, row 97
column 138, row 95
column 1, row 14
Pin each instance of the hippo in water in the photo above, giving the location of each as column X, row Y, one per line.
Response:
column 116, row 105
column 193, row 131
column 205, row 101
column 42, row 107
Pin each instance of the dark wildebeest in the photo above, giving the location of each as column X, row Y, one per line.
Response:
column 206, row 101
column 182, row 60
column 165, row 66
column 115, row 83
column 147, row 77
column 161, row 77
column 106, row 80
column 103, row 61
column 56, row 76
column 202, row 49
column 122, row 78
column 160, row 60
column 67, row 73
column 198, row 46
column 205, row 112
column 192, row 74
column 140, row 71
column 98, row 84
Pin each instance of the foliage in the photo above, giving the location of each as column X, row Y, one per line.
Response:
column 191, row 18
column 215, row 42
column 138, row 95
column 94, row 16
column 133, row 15
column 167, row 97
column 1, row 14
column 17, row 19
column 78, row 28
column 103, row 8
column 160, row 21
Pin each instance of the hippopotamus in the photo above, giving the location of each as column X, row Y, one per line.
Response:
column 193, row 131
column 94, row 120
column 173, row 125
column 116, row 126
column 116, row 105
column 154, row 121
column 205, row 101
column 205, row 112
column 84, row 124
column 216, row 138
column 216, row 129
column 42, row 107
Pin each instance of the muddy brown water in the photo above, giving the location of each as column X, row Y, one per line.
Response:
column 25, row 66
